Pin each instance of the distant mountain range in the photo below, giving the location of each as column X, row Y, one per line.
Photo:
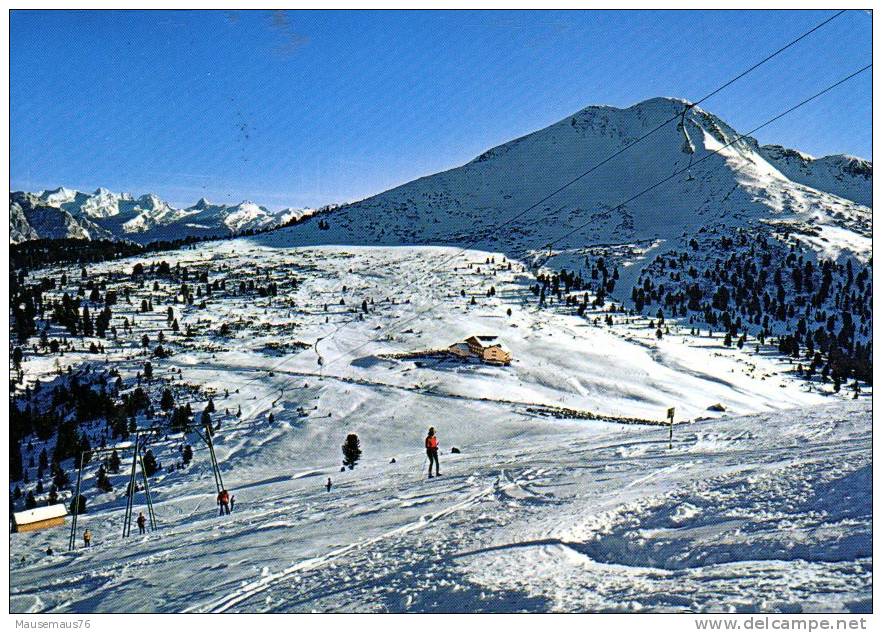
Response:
column 103, row 214
column 738, row 183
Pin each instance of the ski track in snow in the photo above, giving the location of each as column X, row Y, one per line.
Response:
column 765, row 507
column 247, row 592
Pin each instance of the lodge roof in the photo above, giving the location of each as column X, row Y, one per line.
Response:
column 40, row 513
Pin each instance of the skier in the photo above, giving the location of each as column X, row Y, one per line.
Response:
column 223, row 502
column 432, row 452
column 142, row 523
column 328, row 485
column 232, row 502
column 87, row 538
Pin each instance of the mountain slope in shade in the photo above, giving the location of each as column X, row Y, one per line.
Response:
column 31, row 217
column 737, row 187
column 107, row 215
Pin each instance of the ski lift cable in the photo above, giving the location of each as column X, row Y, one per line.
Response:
column 691, row 105
column 720, row 149
column 618, row 152
column 615, row 154
column 780, row 115
column 644, row 191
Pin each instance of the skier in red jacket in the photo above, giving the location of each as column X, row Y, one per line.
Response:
column 223, row 502
column 432, row 451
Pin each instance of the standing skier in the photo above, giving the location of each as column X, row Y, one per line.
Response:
column 432, row 451
column 87, row 538
column 328, row 485
column 232, row 502
column 142, row 523
column 223, row 502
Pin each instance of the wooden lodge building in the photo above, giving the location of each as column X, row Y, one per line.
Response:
column 483, row 348
column 39, row 518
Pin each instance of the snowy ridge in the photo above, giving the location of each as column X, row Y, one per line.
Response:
column 846, row 176
column 107, row 215
column 735, row 187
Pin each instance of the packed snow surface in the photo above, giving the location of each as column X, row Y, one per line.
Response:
column 765, row 506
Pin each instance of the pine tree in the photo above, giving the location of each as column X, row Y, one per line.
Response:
column 30, row 501
column 113, row 463
column 67, row 442
column 87, row 328
column 351, row 451
column 168, row 400
column 101, row 480
column 60, row 480
column 151, row 467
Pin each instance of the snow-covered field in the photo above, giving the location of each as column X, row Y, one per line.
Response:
column 765, row 506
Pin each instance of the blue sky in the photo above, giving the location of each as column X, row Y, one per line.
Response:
column 304, row 108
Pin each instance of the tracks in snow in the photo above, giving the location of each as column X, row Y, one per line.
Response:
column 248, row 591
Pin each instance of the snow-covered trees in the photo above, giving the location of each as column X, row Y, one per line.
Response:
column 769, row 287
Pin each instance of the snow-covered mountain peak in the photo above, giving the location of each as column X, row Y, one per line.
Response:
column 152, row 201
column 105, row 214
column 662, row 106
column 58, row 196
column 697, row 172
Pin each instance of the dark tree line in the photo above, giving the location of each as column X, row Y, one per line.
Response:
column 819, row 310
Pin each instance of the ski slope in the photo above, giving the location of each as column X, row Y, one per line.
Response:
column 769, row 512
column 763, row 506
